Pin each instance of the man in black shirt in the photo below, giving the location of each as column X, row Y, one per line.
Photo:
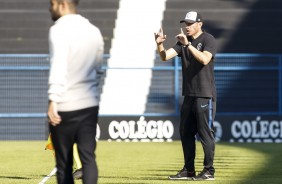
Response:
column 197, row 50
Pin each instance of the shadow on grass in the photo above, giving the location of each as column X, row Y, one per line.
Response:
column 261, row 170
column 15, row 178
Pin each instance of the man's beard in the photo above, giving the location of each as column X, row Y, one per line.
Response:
column 55, row 17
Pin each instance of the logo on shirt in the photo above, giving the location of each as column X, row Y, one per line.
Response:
column 199, row 46
column 203, row 106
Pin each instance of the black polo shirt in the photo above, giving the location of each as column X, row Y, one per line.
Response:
column 198, row 79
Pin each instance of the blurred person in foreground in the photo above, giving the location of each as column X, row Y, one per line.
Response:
column 77, row 166
column 76, row 54
column 197, row 50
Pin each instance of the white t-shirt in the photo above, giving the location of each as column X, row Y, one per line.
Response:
column 76, row 55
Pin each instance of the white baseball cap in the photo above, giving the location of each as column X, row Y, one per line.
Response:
column 192, row 17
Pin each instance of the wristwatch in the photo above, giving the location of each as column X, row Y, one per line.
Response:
column 189, row 43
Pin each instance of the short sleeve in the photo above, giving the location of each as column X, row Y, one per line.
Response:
column 177, row 48
column 210, row 45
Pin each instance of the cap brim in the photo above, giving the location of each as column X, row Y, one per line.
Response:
column 188, row 21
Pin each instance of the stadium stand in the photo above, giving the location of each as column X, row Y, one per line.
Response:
column 24, row 30
column 132, row 47
column 25, row 23
column 240, row 26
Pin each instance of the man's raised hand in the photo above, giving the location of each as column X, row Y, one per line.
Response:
column 182, row 37
column 160, row 37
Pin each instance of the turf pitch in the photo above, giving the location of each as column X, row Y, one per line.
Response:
column 26, row 162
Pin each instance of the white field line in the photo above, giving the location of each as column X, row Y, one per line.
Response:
column 49, row 176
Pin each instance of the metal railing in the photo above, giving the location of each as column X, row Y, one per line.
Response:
column 255, row 79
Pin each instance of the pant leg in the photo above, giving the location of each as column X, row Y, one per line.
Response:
column 205, row 109
column 63, row 138
column 188, row 131
column 86, row 143
column 76, row 158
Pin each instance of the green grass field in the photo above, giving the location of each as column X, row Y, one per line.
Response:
column 27, row 162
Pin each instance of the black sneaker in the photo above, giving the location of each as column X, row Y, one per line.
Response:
column 183, row 174
column 77, row 174
column 204, row 175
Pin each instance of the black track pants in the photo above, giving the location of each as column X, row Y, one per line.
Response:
column 80, row 127
column 197, row 115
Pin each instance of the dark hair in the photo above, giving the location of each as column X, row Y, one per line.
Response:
column 72, row 1
column 75, row 1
